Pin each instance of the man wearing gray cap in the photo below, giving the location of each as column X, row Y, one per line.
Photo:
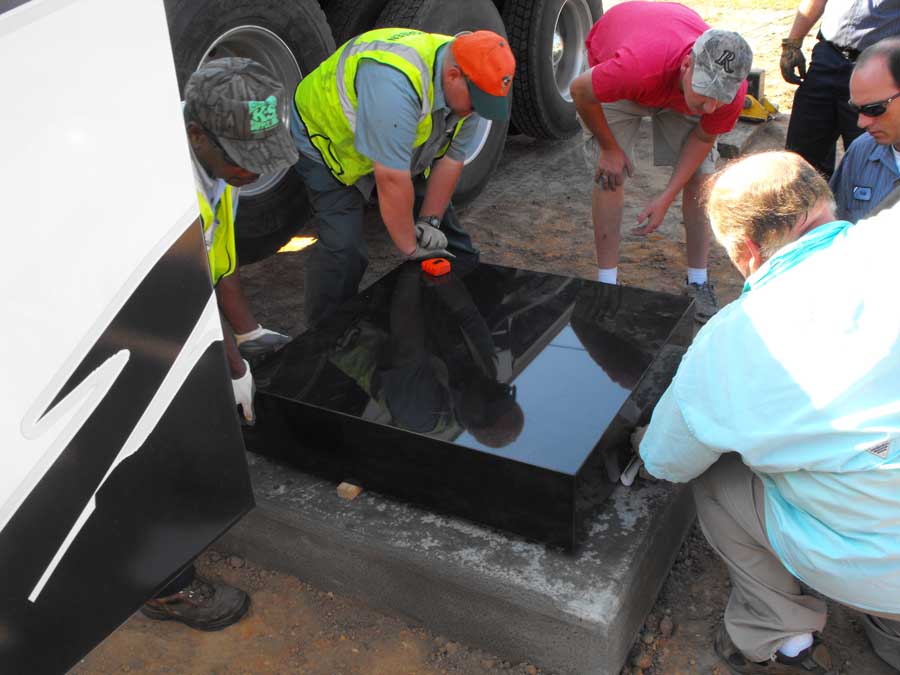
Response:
column 235, row 132
column 231, row 112
column 658, row 60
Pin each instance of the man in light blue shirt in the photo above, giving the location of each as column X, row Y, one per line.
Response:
column 800, row 377
column 871, row 168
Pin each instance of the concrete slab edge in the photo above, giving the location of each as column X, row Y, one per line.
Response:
column 456, row 602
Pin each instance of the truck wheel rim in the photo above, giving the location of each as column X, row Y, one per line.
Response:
column 482, row 131
column 265, row 47
column 567, row 54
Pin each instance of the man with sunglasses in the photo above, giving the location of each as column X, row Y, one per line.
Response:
column 870, row 169
column 235, row 132
column 390, row 106
column 820, row 113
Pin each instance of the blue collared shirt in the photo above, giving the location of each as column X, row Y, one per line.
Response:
column 865, row 176
column 801, row 377
column 857, row 24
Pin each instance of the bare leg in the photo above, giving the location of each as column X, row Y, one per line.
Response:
column 606, row 212
column 233, row 304
column 696, row 225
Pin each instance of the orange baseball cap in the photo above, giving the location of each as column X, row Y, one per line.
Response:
column 489, row 66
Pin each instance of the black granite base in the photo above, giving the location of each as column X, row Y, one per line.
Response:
column 501, row 395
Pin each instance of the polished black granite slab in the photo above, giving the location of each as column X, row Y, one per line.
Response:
column 501, row 395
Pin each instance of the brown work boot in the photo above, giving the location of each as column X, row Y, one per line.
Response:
column 202, row 604
column 816, row 659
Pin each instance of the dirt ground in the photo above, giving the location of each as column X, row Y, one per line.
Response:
column 535, row 214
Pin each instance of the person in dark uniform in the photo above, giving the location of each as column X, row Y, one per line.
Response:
column 820, row 112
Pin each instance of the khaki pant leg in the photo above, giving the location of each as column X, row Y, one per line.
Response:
column 766, row 605
column 624, row 120
column 670, row 132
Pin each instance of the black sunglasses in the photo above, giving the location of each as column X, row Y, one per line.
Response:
column 215, row 141
column 872, row 109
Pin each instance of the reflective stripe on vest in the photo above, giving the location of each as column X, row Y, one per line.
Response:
column 326, row 99
column 218, row 233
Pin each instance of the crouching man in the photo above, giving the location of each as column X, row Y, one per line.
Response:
column 785, row 412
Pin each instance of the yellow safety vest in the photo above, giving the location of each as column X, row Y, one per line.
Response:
column 218, row 233
column 326, row 98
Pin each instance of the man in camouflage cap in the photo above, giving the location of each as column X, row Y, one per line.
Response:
column 232, row 114
column 662, row 61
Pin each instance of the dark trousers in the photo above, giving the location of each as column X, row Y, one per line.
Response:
column 180, row 582
column 340, row 257
column 820, row 114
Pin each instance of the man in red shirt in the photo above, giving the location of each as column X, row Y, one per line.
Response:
column 658, row 60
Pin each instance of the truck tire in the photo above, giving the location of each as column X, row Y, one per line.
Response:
column 291, row 39
column 449, row 18
column 547, row 37
column 349, row 18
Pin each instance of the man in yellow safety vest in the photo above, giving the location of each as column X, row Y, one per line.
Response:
column 235, row 134
column 388, row 106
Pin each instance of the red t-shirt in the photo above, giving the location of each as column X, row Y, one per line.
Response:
column 635, row 52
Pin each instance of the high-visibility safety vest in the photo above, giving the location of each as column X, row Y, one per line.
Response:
column 326, row 98
column 218, row 233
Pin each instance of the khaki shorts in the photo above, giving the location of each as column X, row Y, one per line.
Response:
column 670, row 131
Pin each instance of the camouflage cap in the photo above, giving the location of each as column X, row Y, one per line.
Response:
column 239, row 102
column 722, row 61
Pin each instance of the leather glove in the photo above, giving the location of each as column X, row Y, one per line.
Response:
column 791, row 58
column 244, row 391
column 429, row 236
column 423, row 253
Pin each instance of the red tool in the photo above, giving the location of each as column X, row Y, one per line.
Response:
column 436, row 267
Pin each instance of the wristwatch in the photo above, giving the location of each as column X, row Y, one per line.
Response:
column 434, row 221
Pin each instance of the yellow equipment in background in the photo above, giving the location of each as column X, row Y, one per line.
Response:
column 756, row 110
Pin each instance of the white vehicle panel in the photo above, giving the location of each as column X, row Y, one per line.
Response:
column 82, row 215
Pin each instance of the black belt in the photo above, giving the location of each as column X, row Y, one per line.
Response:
column 848, row 53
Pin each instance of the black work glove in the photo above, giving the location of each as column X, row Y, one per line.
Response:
column 792, row 58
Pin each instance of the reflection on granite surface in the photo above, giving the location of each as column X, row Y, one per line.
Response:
column 499, row 394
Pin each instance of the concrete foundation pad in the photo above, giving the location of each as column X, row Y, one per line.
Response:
column 567, row 613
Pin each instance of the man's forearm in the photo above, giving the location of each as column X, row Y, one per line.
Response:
column 808, row 13
column 233, row 356
column 695, row 150
column 441, row 184
column 395, row 201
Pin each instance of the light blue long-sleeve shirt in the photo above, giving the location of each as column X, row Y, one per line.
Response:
column 801, row 377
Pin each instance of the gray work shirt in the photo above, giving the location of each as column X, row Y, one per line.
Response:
column 865, row 176
column 857, row 24
column 387, row 118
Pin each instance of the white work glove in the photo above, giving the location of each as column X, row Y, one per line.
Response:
column 244, row 391
column 428, row 236
column 630, row 472
column 422, row 253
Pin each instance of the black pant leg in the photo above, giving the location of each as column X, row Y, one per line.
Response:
column 182, row 581
column 816, row 120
